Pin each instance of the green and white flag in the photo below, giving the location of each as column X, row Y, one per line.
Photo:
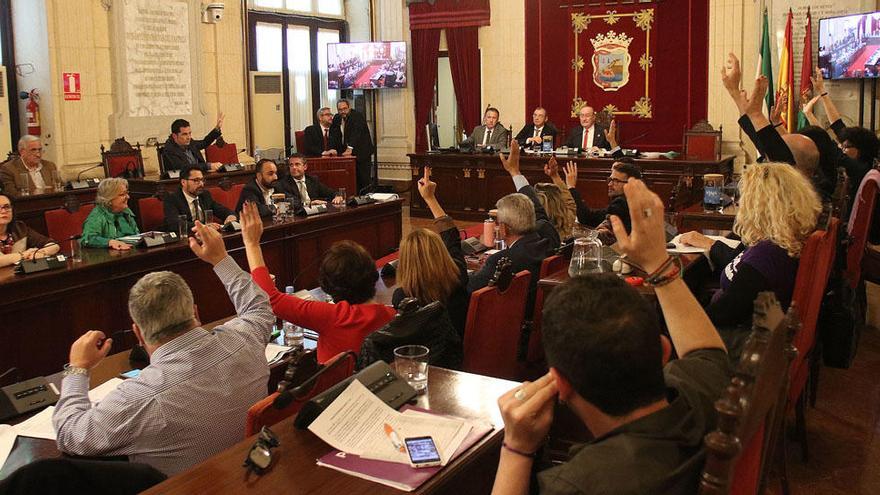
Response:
column 765, row 66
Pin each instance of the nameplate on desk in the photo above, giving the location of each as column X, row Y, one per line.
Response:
column 173, row 174
column 41, row 264
column 360, row 200
column 153, row 239
column 313, row 210
column 231, row 167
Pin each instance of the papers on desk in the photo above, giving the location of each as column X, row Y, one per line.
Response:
column 7, row 441
column 383, row 197
column 685, row 249
column 275, row 352
column 98, row 393
column 38, row 425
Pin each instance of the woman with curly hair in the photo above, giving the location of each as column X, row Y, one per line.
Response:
column 347, row 274
column 778, row 211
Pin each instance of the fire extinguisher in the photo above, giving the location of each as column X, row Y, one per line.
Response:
column 33, row 113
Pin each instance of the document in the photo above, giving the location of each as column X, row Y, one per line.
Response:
column 354, row 423
column 274, row 352
column 98, row 393
column 7, row 441
column 684, row 249
column 38, row 425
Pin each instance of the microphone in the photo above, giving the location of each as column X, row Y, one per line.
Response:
column 79, row 175
column 9, row 372
column 44, row 246
column 286, row 396
column 640, row 136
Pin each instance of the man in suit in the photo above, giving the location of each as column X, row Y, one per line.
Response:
column 350, row 135
column 622, row 171
column 316, row 137
column 41, row 173
column 181, row 150
column 306, row 189
column 260, row 190
column 524, row 226
column 532, row 135
column 491, row 134
column 193, row 201
column 590, row 136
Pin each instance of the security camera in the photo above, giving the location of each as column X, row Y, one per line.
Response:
column 213, row 13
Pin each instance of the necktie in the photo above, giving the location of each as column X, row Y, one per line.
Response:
column 487, row 137
column 303, row 192
column 586, row 135
column 537, row 132
column 326, row 139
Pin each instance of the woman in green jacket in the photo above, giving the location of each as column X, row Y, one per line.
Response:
column 111, row 218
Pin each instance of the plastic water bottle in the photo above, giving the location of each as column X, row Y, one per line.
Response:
column 293, row 334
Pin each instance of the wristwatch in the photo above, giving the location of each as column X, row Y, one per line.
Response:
column 74, row 370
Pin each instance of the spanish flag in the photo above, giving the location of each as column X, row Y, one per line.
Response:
column 786, row 76
column 806, row 69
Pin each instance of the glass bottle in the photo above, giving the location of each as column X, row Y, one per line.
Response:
column 587, row 255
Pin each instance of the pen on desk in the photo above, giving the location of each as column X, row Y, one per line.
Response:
column 395, row 439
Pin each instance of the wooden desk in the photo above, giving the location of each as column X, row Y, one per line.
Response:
column 694, row 218
column 43, row 313
column 449, row 392
column 470, row 184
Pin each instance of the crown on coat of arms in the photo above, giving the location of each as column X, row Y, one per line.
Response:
column 611, row 38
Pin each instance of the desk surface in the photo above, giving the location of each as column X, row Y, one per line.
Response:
column 449, row 392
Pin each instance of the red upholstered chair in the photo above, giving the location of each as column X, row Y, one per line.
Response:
column 225, row 153
column 299, row 138
column 817, row 258
column 263, row 413
column 702, row 142
column 550, row 265
column 860, row 224
column 493, row 327
column 232, row 196
column 61, row 224
column 122, row 159
column 472, row 231
column 388, row 258
column 751, row 409
column 151, row 213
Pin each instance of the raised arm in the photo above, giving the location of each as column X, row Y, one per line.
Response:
column 807, row 109
column 688, row 324
column 445, row 225
column 821, row 92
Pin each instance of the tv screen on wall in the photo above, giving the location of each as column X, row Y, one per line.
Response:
column 370, row 65
column 849, row 46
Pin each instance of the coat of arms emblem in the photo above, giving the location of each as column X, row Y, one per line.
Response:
column 611, row 60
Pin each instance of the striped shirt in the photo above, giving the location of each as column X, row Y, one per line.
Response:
column 190, row 402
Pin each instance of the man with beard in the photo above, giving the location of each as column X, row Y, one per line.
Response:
column 260, row 190
column 193, row 201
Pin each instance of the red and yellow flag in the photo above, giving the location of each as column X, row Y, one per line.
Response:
column 786, row 76
column 806, row 69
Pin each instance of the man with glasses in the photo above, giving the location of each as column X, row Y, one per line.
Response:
column 193, row 200
column 621, row 171
column 316, row 137
column 41, row 173
column 182, row 151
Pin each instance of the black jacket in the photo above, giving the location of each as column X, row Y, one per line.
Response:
column 576, row 137
column 357, row 135
column 592, row 218
column 174, row 156
column 529, row 130
column 313, row 141
column 175, row 204
column 252, row 192
column 316, row 188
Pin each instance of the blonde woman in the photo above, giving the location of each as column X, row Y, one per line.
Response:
column 778, row 211
column 432, row 266
column 111, row 218
column 557, row 200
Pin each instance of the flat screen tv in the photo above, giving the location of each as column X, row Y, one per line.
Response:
column 369, row 65
column 849, row 46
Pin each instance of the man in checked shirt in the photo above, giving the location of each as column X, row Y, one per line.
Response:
column 192, row 400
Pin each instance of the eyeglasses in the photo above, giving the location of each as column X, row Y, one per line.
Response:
column 260, row 456
column 616, row 181
column 197, row 181
column 5, row 207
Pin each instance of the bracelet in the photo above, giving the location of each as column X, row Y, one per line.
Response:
column 519, row 452
column 824, row 94
column 661, row 269
column 777, row 125
column 657, row 279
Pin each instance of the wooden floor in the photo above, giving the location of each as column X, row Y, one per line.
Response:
column 843, row 429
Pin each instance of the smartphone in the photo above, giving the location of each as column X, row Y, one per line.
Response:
column 130, row 374
column 422, row 452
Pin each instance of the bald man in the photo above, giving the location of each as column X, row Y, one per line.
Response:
column 590, row 136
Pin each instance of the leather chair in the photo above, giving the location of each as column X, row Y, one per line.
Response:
column 62, row 224
column 702, row 142
column 751, row 410
column 221, row 152
column 220, row 196
column 122, row 159
column 535, row 353
column 151, row 214
column 859, row 226
column 264, row 413
column 299, row 138
column 494, row 324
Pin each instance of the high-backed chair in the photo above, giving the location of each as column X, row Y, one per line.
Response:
column 220, row 196
column 62, row 224
column 122, row 159
column 232, row 196
column 299, row 138
column 535, row 352
column 264, row 413
column 494, row 324
column 817, row 258
column 702, row 142
column 221, row 152
column 860, row 223
column 751, row 410
column 151, row 214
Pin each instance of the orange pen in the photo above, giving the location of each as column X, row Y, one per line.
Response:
column 395, row 439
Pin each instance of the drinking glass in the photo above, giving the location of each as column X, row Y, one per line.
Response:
column 208, row 216
column 75, row 251
column 411, row 364
column 341, row 192
column 24, row 184
column 182, row 227
column 712, row 185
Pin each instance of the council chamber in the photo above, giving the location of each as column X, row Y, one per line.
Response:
column 444, row 246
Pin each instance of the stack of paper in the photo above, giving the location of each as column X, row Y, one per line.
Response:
column 275, row 352
column 681, row 248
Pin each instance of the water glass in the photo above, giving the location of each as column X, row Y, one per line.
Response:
column 587, row 255
column 341, row 192
column 182, row 227
column 712, row 185
column 57, row 182
column 411, row 364
column 24, row 184
column 75, row 251
column 208, row 216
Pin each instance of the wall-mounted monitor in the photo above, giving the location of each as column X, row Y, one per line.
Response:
column 369, row 65
column 849, row 46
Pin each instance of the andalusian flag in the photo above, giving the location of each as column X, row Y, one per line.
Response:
column 806, row 69
column 786, row 76
column 765, row 66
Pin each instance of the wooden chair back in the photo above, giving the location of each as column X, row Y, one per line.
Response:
column 122, row 159
column 751, row 409
column 551, row 264
column 299, row 138
column 702, row 142
column 860, row 222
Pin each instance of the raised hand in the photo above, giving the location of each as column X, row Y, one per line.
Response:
column 611, row 134
column 251, row 224
column 212, row 249
column 88, row 350
column 427, row 188
column 511, row 162
column 220, row 117
column 551, row 168
column 645, row 245
column 731, row 74
column 779, row 107
column 818, row 82
column 755, row 101
column 571, row 174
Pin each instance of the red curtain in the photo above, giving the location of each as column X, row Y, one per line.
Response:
column 425, row 48
column 464, row 63
column 448, row 14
